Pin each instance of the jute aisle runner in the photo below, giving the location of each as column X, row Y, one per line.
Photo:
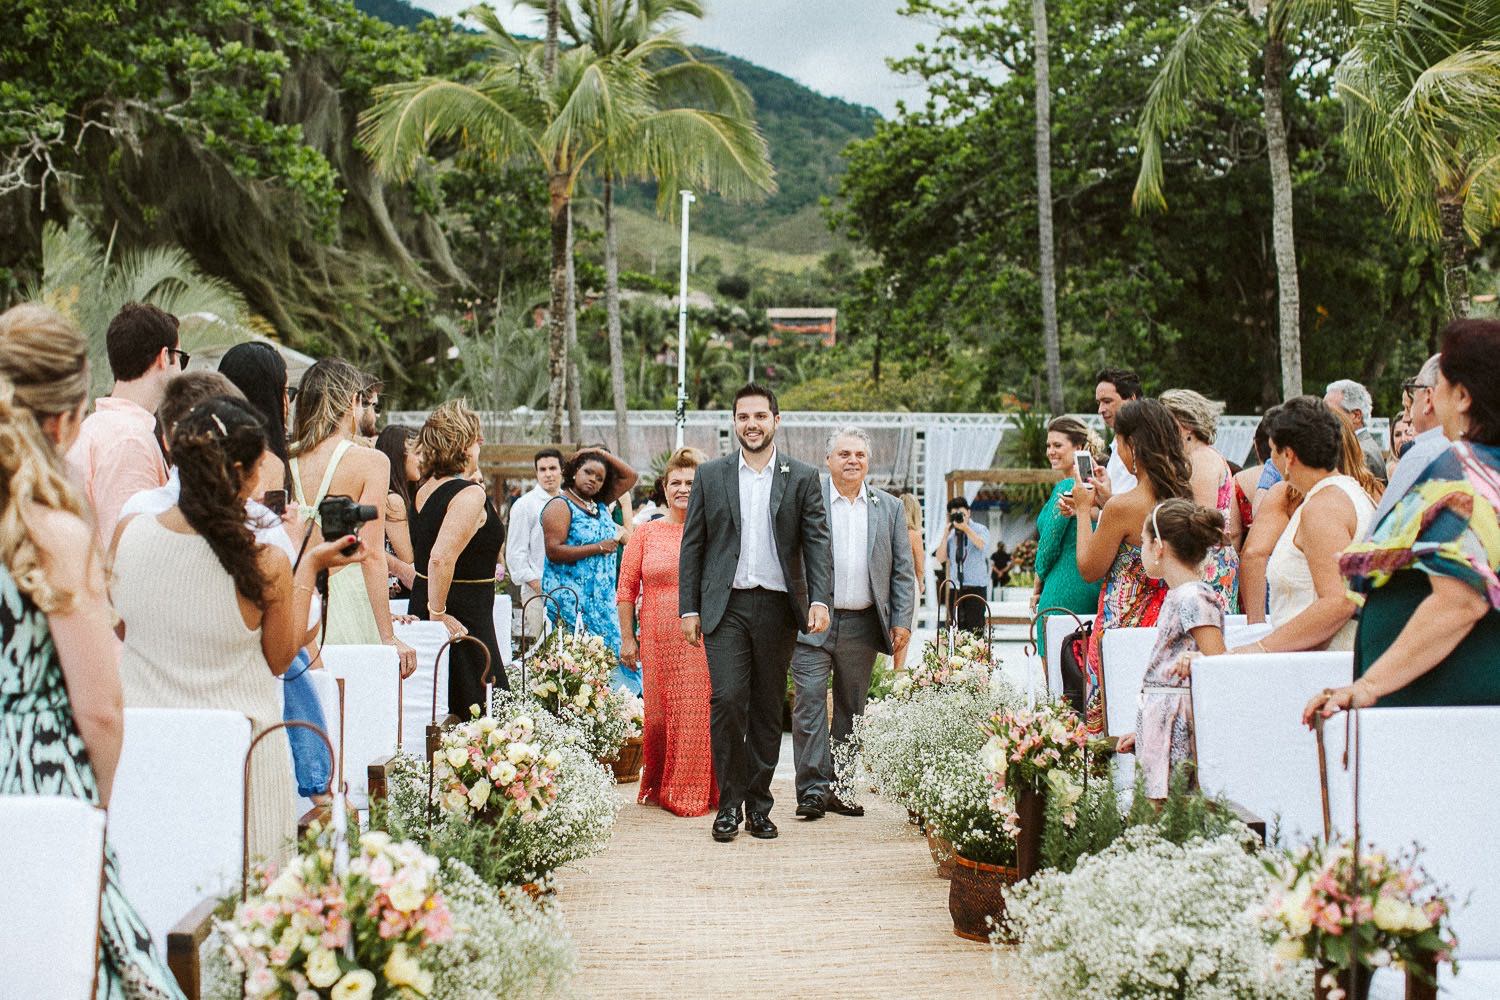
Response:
column 840, row 907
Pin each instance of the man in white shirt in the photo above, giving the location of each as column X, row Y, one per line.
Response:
column 525, row 548
column 1429, row 444
column 755, row 566
column 874, row 587
column 1113, row 388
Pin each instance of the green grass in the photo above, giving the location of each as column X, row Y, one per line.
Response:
column 644, row 237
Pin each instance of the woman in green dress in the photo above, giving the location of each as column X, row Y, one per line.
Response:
column 1058, row 582
column 1429, row 631
column 61, row 709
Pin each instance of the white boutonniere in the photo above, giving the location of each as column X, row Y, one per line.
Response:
column 870, row 496
column 785, row 468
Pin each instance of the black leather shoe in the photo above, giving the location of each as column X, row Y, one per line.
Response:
column 838, row 805
column 726, row 826
column 811, row 807
column 760, row 827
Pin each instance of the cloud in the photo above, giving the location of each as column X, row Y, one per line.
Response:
column 836, row 47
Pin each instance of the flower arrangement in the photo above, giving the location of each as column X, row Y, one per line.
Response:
column 1146, row 918
column 967, row 662
column 572, row 672
column 1394, row 916
column 308, row 931
column 1033, row 750
column 633, row 710
column 953, row 796
column 491, row 770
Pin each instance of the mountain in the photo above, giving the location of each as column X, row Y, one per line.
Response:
column 806, row 132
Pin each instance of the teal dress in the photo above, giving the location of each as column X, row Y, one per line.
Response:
column 42, row 753
column 592, row 577
column 1057, row 564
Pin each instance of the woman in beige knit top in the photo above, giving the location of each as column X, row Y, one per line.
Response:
column 210, row 617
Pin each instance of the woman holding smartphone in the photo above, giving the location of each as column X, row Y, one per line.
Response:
column 1058, row 582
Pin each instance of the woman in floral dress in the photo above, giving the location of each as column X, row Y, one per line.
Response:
column 581, row 538
column 678, row 769
column 61, row 720
column 1150, row 445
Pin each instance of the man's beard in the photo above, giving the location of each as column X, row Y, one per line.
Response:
column 366, row 428
column 765, row 442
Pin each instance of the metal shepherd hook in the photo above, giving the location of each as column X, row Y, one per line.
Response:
column 434, row 730
column 341, row 847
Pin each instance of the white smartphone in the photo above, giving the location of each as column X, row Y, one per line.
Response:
column 1083, row 465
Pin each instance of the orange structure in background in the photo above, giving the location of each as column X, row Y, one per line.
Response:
column 803, row 324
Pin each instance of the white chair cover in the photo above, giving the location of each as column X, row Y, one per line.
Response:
column 1252, row 746
column 372, row 709
column 1127, row 652
column 1428, row 777
column 416, row 695
column 176, row 814
column 51, row 871
column 504, row 624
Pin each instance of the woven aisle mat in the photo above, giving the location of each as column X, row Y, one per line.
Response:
column 840, row 907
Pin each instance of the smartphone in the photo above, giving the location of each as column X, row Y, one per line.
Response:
column 1083, row 465
column 275, row 501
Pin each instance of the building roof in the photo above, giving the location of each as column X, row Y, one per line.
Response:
column 802, row 313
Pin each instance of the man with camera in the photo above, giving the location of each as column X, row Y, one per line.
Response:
column 966, row 542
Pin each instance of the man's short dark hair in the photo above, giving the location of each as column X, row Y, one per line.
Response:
column 547, row 453
column 755, row 389
column 136, row 337
column 1126, row 382
column 958, row 503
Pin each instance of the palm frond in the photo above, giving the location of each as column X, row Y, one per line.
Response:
column 406, row 118
column 688, row 147
column 1212, row 51
column 702, row 84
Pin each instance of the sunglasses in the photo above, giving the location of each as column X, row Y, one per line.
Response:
column 1411, row 385
column 291, row 394
column 183, row 357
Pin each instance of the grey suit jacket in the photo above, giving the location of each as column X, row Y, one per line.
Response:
column 892, row 571
column 711, row 539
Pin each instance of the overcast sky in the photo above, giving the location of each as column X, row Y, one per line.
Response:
column 836, row 47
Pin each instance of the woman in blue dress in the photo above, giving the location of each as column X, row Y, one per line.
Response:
column 581, row 540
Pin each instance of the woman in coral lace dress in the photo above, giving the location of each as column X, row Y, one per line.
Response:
column 678, row 769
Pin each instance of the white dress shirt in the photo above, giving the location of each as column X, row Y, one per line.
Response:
column 851, row 551
column 758, row 565
column 526, row 548
column 1121, row 479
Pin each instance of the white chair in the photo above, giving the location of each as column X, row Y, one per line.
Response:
column 51, row 871
column 176, row 813
column 1126, row 653
column 372, row 714
column 1252, row 746
column 1059, row 627
column 427, row 638
column 504, row 624
column 1406, row 798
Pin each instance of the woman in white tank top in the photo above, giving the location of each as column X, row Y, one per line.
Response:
column 1309, row 608
column 212, row 617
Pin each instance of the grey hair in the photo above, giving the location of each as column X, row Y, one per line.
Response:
column 1194, row 411
column 1354, row 395
column 850, row 431
column 1427, row 376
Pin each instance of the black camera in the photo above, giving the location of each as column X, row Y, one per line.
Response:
column 956, row 516
column 340, row 516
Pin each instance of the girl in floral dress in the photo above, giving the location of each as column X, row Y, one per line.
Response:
column 1178, row 537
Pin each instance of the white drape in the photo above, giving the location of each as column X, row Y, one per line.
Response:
column 947, row 449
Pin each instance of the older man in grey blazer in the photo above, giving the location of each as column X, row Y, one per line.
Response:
column 874, row 587
column 753, row 569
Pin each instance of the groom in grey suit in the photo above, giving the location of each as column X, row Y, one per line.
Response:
column 754, row 568
column 874, row 590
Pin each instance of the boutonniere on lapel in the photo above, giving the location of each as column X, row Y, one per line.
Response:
column 785, row 468
column 870, row 496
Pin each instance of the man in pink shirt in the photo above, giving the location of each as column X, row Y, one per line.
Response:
column 117, row 455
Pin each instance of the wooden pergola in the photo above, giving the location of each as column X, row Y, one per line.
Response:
column 959, row 478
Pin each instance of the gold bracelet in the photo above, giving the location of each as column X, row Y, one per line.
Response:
column 437, row 611
column 1260, row 644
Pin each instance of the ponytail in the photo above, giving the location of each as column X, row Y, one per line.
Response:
column 215, row 447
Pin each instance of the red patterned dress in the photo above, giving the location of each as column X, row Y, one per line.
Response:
column 678, row 769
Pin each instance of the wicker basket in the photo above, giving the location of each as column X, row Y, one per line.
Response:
column 942, row 853
column 975, row 901
column 627, row 766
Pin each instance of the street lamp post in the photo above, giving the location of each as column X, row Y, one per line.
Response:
column 682, row 319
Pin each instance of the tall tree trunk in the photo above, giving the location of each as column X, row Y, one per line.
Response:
column 549, row 54
column 1289, row 298
column 612, row 309
column 1050, row 344
column 557, row 330
column 575, row 389
column 1455, row 244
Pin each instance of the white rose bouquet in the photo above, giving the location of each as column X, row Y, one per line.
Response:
column 633, row 711
column 967, row 662
column 492, row 770
column 1394, row 914
column 307, row 933
column 571, row 674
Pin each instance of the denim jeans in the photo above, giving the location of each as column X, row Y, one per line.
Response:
column 300, row 703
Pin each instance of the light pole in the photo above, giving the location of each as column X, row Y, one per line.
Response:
column 682, row 319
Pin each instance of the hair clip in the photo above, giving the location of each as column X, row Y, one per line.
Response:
column 219, row 424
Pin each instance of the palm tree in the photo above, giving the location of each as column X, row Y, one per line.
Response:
column 88, row 282
column 1041, row 57
column 710, row 364
column 701, row 112
column 1221, row 38
column 1421, row 90
column 501, row 366
column 513, row 109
